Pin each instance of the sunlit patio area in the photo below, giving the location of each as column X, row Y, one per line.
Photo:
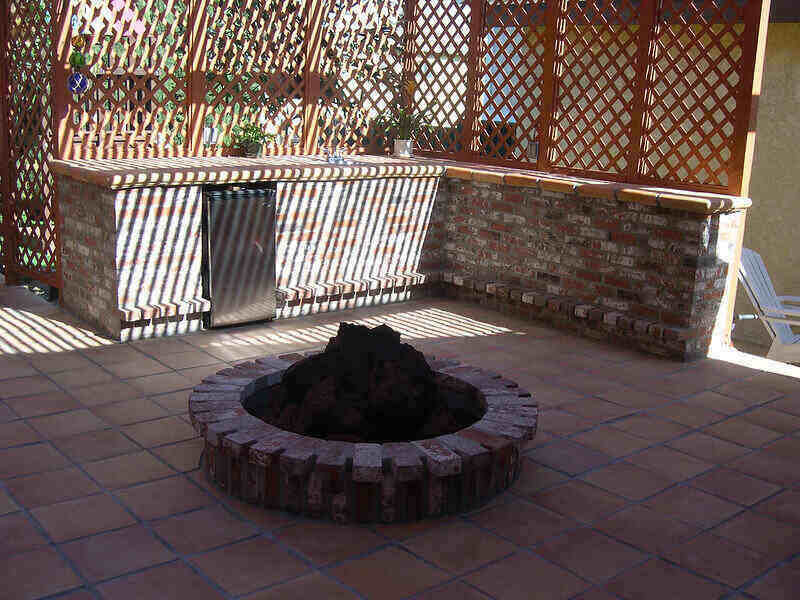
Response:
column 647, row 478
column 395, row 300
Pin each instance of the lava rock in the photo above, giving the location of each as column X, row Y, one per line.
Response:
column 367, row 386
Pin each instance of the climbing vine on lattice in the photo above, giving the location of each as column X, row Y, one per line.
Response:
column 361, row 70
column 137, row 64
column 254, row 61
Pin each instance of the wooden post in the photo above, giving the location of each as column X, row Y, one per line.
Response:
column 61, row 35
column 755, row 45
column 474, row 57
column 741, row 164
column 61, row 140
column 409, row 52
column 198, row 46
column 731, row 286
column 8, row 229
column 647, row 28
column 549, row 83
column 312, row 78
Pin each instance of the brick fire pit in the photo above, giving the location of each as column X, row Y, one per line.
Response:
column 360, row 482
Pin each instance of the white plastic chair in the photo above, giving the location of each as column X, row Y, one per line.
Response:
column 778, row 313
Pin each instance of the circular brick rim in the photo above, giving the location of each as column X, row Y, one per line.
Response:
column 362, row 482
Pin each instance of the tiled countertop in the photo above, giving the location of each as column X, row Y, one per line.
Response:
column 149, row 172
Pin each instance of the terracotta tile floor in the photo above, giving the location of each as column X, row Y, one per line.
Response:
column 648, row 479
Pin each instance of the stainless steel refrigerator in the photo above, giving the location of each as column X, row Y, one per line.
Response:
column 239, row 252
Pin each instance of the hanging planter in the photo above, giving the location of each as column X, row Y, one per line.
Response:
column 77, row 60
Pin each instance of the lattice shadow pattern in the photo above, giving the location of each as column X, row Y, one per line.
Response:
column 641, row 91
column 30, row 198
column 644, row 91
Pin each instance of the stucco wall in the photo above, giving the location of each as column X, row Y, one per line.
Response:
column 773, row 221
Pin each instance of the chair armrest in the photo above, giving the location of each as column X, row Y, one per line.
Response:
column 793, row 322
column 781, row 311
column 786, row 315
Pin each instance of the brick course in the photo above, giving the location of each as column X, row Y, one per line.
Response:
column 607, row 267
column 362, row 482
column 131, row 259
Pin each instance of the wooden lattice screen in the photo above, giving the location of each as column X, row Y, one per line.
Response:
column 696, row 85
column 136, row 103
column 441, row 62
column 361, row 68
column 252, row 60
column 642, row 91
column 29, row 216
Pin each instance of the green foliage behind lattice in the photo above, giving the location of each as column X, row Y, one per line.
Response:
column 253, row 68
column 362, row 56
column 30, row 135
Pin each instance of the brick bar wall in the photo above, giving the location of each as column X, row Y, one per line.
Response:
column 349, row 243
column 633, row 273
column 159, row 245
column 132, row 256
column 657, row 276
column 131, row 259
column 88, row 238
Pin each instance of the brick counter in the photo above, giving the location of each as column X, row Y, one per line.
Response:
column 131, row 259
column 638, row 266
column 132, row 256
column 342, row 244
column 634, row 272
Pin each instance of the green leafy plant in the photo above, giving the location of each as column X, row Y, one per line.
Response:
column 251, row 134
column 404, row 124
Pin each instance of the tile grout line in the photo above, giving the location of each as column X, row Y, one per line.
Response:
column 589, row 525
column 394, row 543
column 50, row 542
column 781, row 563
column 138, row 521
column 108, row 492
column 683, row 482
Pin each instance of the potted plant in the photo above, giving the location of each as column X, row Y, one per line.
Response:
column 405, row 125
column 250, row 138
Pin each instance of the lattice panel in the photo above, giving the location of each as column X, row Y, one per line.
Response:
column 3, row 201
column 596, row 67
column 4, row 206
column 30, row 137
column 694, row 80
column 512, row 67
column 254, row 70
column 137, row 61
column 361, row 67
column 441, row 68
